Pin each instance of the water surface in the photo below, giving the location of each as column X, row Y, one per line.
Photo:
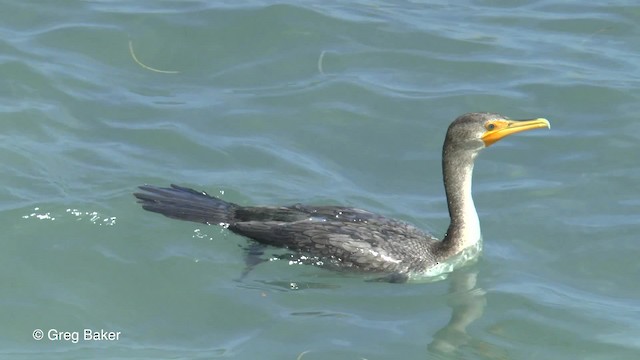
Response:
column 316, row 102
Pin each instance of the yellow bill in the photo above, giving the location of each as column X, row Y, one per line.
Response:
column 501, row 128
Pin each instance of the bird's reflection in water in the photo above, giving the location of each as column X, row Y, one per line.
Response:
column 467, row 302
column 466, row 299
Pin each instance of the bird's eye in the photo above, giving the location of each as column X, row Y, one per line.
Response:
column 491, row 126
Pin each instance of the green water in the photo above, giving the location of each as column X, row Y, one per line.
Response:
column 317, row 102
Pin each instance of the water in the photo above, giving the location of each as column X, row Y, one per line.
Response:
column 316, row 102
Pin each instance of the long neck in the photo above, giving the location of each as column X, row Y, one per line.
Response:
column 464, row 229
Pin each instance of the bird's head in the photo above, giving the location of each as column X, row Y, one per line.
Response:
column 474, row 131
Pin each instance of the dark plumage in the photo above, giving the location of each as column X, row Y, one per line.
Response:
column 353, row 239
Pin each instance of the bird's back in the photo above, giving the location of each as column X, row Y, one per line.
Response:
column 330, row 236
column 338, row 237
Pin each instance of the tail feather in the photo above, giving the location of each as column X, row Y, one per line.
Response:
column 186, row 204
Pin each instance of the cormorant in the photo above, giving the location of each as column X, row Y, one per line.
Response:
column 352, row 239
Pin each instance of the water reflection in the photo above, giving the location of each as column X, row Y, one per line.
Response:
column 467, row 302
